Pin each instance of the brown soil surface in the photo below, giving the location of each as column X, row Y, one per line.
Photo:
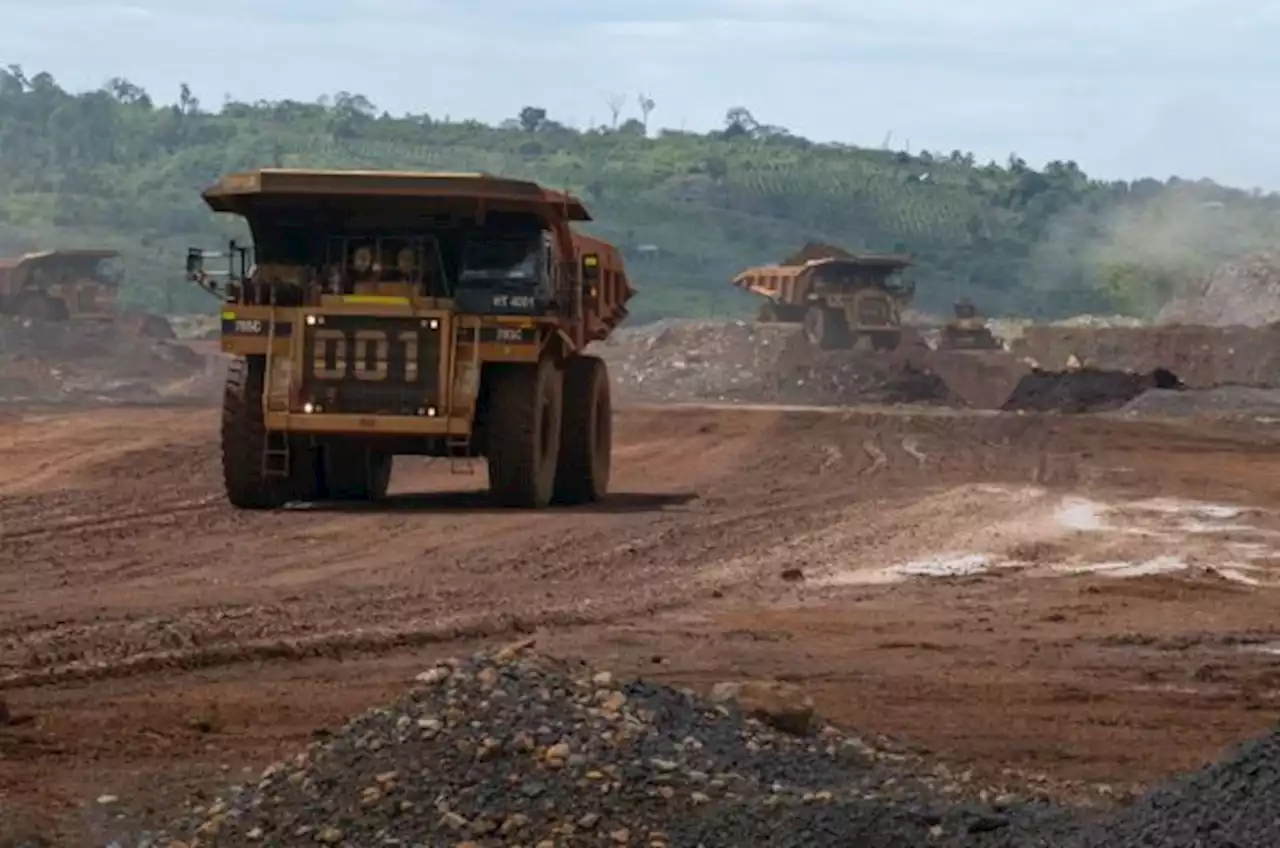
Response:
column 1202, row 357
column 772, row 363
column 1003, row 591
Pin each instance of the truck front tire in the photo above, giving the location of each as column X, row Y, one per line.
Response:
column 522, row 432
column 244, row 438
column 827, row 328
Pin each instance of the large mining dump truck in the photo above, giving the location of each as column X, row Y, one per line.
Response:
column 843, row 300
column 60, row 285
column 380, row 314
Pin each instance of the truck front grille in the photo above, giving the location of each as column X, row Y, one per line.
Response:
column 364, row 365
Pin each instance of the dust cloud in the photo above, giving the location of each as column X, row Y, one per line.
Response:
column 1150, row 250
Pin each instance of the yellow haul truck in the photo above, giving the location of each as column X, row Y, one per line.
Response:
column 843, row 300
column 388, row 313
column 60, row 285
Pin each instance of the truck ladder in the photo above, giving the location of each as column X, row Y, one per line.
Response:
column 458, row 448
column 276, row 461
column 460, row 460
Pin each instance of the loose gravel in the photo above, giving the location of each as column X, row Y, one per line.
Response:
column 521, row 750
column 514, row 749
column 1234, row 803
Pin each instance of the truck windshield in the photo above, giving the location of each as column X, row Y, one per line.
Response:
column 107, row 271
column 66, row 269
column 501, row 260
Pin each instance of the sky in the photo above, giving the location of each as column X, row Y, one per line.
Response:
column 1126, row 88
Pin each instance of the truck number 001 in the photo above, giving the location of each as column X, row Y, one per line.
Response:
column 370, row 348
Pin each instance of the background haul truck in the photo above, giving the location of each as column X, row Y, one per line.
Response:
column 59, row 285
column 383, row 313
column 843, row 300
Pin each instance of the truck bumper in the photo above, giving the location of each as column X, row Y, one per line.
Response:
column 374, row 425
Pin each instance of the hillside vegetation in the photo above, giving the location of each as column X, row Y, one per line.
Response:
column 113, row 167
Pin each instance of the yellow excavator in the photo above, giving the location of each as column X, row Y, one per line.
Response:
column 968, row 330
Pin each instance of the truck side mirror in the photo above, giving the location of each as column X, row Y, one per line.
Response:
column 195, row 261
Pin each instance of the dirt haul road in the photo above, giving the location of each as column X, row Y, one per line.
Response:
column 999, row 591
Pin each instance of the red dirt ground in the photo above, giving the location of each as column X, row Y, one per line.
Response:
column 162, row 644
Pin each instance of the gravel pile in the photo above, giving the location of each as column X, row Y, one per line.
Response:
column 1220, row 402
column 98, row 361
column 1099, row 321
column 677, row 360
column 852, row 378
column 759, row 363
column 1234, row 803
column 1244, row 291
column 1085, row 390
column 510, row 749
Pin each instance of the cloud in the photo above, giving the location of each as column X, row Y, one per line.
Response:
column 1160, row 86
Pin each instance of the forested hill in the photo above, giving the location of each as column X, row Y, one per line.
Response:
column 111, row 167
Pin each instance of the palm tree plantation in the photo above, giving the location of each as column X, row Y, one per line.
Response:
column 118, row 168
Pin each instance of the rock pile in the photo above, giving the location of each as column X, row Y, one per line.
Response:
column 1238, row 402
column 1234, row 803
column 1085, row 390
column 94, row 361
column 760, row 363
column 676, row 360
column 511, row 749
column 852, row 378
column 1245, row 291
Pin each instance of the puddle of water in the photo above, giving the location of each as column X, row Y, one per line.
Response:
column 946, row 565
column 861, row 577
column 1176, row 689
column 1020, row 493
column 952, row 565
column 1168, row 543
column 1236, row 574
column 1158, row 565
column 1081, row 515
column 1204, row 528
column 1174, row 506
column 1252, row 550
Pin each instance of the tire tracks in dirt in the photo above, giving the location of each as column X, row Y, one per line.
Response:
column 110, row 521
column 157, row 653
column 228, row 588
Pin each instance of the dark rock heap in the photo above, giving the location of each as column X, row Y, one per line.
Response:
column 511, row 749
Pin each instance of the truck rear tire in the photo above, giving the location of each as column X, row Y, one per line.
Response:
column 42, row 307
column 586, row 434
column 827, row 328
column 354, row 472
column 522, row 433
column 244, row 437
column 790, row 313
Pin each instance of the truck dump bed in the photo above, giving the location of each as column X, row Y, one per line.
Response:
column 280, row 192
